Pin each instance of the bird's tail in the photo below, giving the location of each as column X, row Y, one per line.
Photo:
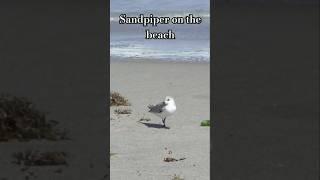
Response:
column 150, row 107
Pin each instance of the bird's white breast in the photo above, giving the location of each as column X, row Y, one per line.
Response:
column 170, row 109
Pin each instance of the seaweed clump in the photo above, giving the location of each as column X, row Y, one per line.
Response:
column 122, row 111
column 205, row 123
column 20, row 120
column 37, row 158
column 116, row 99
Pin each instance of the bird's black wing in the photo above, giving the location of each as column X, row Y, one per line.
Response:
column 158, row 108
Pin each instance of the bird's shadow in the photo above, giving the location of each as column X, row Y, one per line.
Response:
column 153, row 125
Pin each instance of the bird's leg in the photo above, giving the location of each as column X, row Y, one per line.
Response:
column 164, row 122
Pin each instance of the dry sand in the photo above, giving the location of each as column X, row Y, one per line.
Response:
column 138, row 149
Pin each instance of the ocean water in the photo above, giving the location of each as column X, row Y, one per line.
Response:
column 192, row 41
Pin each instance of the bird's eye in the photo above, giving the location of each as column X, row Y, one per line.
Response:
column 168, row 99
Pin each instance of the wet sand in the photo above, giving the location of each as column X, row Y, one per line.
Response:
column 140, row 147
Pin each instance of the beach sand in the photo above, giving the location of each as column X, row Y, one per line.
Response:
column 138, row 148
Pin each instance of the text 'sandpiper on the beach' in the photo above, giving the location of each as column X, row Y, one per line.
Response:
column 152, row 20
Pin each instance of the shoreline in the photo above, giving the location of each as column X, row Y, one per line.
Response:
column 116, row 59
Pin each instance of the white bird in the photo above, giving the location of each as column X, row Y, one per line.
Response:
column 164, row 109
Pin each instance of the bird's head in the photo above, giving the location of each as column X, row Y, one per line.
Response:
column 169, row 100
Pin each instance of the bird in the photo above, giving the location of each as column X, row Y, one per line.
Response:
column 164, row 109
